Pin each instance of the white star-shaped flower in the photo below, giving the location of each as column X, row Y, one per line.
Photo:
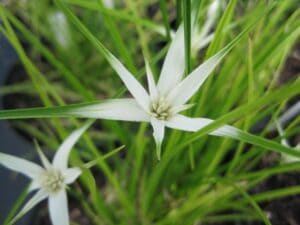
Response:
column 51, row 180
column 164, row 102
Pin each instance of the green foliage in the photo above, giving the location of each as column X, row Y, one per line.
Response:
column 199, row 179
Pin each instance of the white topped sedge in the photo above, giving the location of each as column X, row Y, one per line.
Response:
column 51, row 180
column 161, row 106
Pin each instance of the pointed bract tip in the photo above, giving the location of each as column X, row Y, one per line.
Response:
column 158, row 151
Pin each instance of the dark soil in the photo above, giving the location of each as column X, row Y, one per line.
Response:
column 18, row 75
column 284, row 211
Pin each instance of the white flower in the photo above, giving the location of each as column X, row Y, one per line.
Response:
column 201, row 35
column 51, row 180
column 164, row 102
column 161, row 106
column 109, row 3
column 60, row 29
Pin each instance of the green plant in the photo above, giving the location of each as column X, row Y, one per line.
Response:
column 194, row 182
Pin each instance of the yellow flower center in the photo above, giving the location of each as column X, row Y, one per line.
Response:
column 160, row 109
column 52, row 181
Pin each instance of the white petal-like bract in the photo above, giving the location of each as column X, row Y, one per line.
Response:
column 42, row 156
column 37, row 198
column 133, row 86
column 34, row 185
column 174, row 64
column 185, row 123
column 23, row 166
column 126, row 109
column 58, row 208
column 61, row 157
column 158, row 133
column 190, row 85
column 71, row 175
column 151, row 82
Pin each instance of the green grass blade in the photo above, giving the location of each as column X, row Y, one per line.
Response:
column 117, row 40
column 164, row 11
column 275, row 97
column 187, row 34
column 69, row 76
column 254, row 204
column 178, row 12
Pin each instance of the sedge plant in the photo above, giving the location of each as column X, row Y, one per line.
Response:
column 200, row 179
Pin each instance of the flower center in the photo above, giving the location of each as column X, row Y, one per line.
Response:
column 52, row 181
column 160, row 109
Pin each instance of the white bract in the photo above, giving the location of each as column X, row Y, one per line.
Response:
column 284, row 141
column 109, row 3
column 51, row 180
column 291, row 113
column 201, row 36
column 60, row 29
column 166, row 99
